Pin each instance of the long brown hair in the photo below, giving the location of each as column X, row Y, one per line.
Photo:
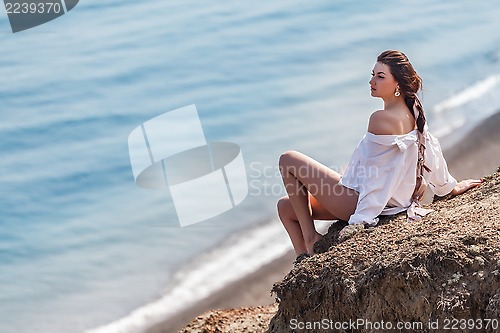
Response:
column 409, row 82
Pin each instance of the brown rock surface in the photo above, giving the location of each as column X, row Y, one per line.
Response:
column 244, row 320
column 443, row 267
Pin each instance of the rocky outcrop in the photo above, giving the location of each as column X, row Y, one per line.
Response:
column 438, row 273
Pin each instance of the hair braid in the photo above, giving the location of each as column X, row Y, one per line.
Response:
column 412, row 104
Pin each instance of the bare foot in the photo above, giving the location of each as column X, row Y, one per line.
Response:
column 310, row 245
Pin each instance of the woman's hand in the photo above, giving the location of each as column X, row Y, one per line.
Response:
column 464, row 185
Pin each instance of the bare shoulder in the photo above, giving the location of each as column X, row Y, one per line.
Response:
column 382, row 123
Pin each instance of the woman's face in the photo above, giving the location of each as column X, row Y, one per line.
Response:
column 382, row 84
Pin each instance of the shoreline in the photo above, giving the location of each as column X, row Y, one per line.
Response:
column 252, row 290
column 477, row 152
column 474, row 154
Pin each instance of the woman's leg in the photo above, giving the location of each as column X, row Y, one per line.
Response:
column 291, row 223
column 313, row 193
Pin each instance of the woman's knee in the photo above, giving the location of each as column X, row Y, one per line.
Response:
column 282, row 204
column 288, row 159
column 285, row 209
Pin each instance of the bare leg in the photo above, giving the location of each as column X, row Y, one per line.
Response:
column 291, row 223
column 303, row 177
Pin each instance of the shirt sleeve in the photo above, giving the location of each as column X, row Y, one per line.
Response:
column 377, row 186
column 439, row 179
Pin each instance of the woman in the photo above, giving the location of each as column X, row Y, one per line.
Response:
column 382, row 174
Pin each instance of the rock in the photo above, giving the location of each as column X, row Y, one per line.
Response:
column 244, row 320
column 442, row 267
column 493, row 308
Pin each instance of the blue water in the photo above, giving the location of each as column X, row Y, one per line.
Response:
column 80, row 244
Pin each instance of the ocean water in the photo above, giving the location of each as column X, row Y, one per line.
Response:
column 82, row 248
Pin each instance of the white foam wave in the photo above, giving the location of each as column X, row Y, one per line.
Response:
column 241, row 254
column 468, row 106
column 469, row 94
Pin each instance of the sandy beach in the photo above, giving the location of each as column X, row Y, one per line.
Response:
column 478, row 152
column 475, row 155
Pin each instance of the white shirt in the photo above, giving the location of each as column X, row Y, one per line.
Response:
column 383, row 169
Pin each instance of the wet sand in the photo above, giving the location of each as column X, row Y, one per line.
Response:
column 478, row 153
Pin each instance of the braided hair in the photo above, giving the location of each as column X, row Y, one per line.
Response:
column 409, row 82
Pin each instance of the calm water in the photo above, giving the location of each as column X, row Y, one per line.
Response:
column 81, row 246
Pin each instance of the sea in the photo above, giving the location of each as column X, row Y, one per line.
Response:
column 83, row 248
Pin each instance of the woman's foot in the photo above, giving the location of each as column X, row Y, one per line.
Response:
column 310, row 245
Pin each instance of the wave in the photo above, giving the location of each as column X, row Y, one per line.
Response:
column 241, row 254
column 468, row 106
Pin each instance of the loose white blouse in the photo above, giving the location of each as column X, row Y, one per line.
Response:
column 382, row 170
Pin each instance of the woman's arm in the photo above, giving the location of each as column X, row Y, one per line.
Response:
column 440, row 179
